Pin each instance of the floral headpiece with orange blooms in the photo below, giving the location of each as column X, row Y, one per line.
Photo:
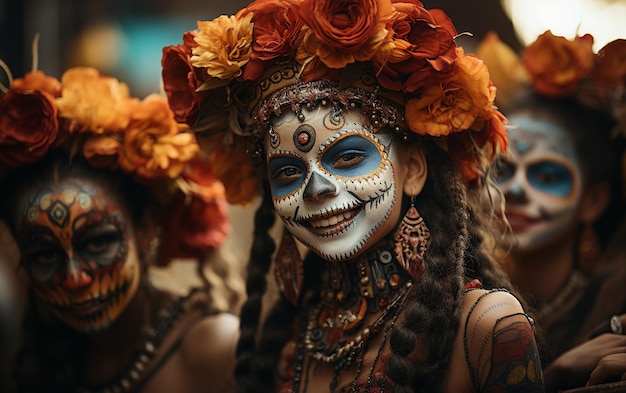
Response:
column 556, row 66
column 224, row 70
column 93, row 115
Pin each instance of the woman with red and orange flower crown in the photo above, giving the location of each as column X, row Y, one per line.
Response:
column 96, row 187
column 367, row 131
column 563, row 181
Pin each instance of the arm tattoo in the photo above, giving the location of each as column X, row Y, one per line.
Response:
column 515, row 363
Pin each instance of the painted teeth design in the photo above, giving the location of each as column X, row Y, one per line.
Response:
column 333, row 220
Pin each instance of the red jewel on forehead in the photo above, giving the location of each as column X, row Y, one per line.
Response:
column 304, row 137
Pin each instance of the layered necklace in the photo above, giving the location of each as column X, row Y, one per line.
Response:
column 357, row 301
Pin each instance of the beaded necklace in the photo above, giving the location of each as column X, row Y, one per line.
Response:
column 334, row 330
column 132, row 378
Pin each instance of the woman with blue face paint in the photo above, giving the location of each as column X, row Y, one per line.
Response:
column 562, row 182
column 367, row 132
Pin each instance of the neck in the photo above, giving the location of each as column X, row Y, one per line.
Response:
column 544, row 272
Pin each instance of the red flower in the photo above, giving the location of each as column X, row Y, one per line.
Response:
column 423, row 46
column 276, row 32
column 556, row 64
column 29, row 126
column 347, row 30
column 196, row 221
column 181, row 79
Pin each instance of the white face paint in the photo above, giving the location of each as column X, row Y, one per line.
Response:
column 334, row 183
column 541, row 181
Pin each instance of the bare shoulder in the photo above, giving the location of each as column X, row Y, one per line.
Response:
column 208, row 350
column 499, row 343
column 212, row 338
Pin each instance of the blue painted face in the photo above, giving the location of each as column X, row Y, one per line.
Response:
column 334, row 181
column 351, row 157
column 541, row 180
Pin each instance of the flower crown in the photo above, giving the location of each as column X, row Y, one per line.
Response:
column 94, row 116
column 556, row 67
column 225, row 71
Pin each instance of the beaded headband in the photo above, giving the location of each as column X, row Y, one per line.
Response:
column 232, row 74
column 92, row 115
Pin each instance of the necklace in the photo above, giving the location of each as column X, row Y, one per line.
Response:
column 335, row 330
column 128, row 379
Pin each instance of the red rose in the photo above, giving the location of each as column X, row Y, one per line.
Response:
column 347, row 30
column 29, row 127
column 181, row 79
column 276, row 32
column 424, row 47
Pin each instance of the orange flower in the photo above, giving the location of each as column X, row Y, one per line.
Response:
column 276, row 32
column 155, row 145
column 505, row 66
column 346, row 30
column 456, row 103
column 236, row 171
column 423, row 46
column 224, row 48
column 37, row 80
column 94, row 102
column 556, row 64
column 102, row 150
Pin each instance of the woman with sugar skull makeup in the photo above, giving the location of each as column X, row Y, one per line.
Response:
column 563, row 183
column 367, row 131
column 94, row 185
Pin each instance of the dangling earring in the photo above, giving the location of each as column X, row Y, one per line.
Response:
column 588, row 249
column 288, row 269
column 411, row 241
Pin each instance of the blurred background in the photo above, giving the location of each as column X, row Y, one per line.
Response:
column 124, row 38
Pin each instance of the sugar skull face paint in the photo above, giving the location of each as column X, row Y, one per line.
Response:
column 334, row 182
column 541, row 181
column 79, row 250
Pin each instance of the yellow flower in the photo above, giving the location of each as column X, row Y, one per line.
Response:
column 94, row 102
column 454, row 105
column 224, row 48
column 155, row 145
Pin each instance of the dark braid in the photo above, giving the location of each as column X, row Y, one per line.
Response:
column 261, row 252
column 432, row 318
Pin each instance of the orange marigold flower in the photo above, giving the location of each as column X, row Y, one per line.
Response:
column 346, row 30
column 556, row 64
column 102, row 150
column 456, row 103
column 37, row 80
column 93, row 101
column 155, row 145
column 224, row 48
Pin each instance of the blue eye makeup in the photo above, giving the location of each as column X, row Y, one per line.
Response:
column 287, row 173
column 352, row 156
column 504, row 171
column 551, row 178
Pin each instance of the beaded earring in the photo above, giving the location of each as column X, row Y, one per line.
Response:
column 411, row 241
column 288, row 268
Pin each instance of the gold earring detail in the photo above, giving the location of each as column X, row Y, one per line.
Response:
column 288, row 270
column 410, row 243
